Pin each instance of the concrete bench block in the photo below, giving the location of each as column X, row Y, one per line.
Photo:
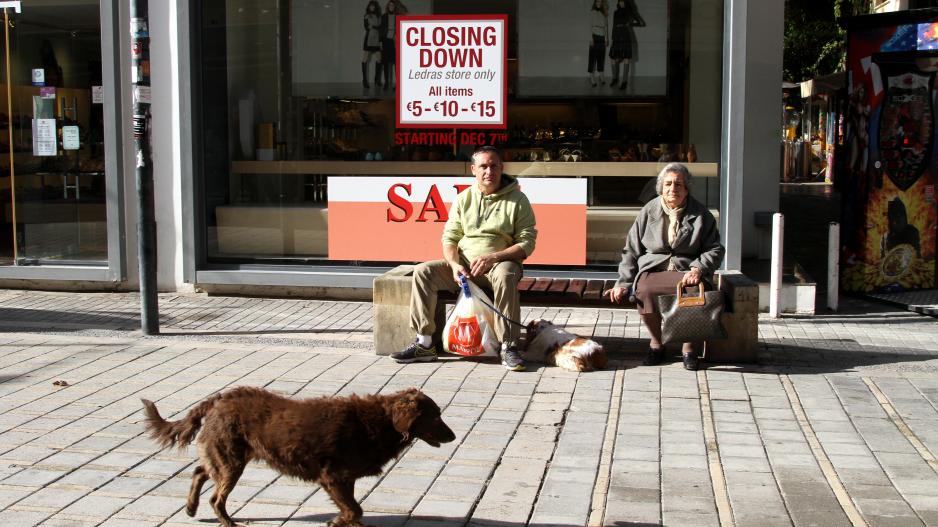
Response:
column 392, row 310
column 741, row 320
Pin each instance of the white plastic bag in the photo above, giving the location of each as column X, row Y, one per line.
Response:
column 470, row 328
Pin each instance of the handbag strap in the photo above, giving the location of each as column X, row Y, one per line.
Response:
column 683, row 301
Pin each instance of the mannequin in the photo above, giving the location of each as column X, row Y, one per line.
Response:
column 388, row 28
column 599, row 31
column 371, row 45
column 625, row 16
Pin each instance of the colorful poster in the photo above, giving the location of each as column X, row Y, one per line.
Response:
column 401, row 218
column 890, row 162
column 451, row 71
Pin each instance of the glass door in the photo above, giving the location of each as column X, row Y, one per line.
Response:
column 52, row 184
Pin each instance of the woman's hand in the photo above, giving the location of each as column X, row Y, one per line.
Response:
column 616, row 294
column 691, row 277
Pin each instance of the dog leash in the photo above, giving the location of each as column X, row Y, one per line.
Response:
column 499, row 313
column 464, row 279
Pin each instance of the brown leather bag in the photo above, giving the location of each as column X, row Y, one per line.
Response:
column 691, row 318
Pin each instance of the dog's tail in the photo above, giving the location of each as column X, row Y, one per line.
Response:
column 176, row 433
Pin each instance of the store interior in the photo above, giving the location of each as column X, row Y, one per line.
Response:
column 271, row 137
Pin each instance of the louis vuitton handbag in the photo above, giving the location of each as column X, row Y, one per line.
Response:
column 691, row 318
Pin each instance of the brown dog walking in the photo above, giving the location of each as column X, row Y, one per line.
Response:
column 329, row 440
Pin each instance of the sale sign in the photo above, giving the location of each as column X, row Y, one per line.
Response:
column 400, row 219
column 451, row 71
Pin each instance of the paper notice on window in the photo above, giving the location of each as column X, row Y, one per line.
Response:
column 97, row 94
column 43, row 108
column 70, row 138
column 44, row 137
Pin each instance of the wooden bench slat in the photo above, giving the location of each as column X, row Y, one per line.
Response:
column 594, row 289
column 525, row 283
column 575, row 289
column 558, row 286
column 541, row 285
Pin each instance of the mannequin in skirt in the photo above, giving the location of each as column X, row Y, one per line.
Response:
column 623, row 19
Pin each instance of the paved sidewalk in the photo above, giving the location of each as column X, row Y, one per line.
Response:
column 838, row 425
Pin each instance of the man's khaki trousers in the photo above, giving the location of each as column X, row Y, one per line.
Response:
column 434, row 276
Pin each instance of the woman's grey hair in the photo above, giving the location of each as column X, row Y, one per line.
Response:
column 676, row 168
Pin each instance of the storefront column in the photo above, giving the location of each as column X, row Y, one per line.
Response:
column 752, row 91
column 171, row 135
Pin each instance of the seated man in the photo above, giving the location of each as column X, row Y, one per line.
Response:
column 489, row 232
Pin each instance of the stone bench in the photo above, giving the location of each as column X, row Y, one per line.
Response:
column 392, row 290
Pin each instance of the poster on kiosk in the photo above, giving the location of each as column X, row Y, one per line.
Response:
column 889, row 156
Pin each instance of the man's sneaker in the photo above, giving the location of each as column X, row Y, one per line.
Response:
column 414, row 353
column 512, row 360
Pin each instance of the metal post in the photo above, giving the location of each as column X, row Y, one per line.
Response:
column 833, row 265
column 775, row 282
column 146, row 224
column 9, row 83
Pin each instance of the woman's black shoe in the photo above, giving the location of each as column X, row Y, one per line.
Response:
column 691, row 362
column 654, row 357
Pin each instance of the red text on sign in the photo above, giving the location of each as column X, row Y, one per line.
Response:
column 398, row 196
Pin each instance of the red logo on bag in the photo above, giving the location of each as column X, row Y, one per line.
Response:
column 465, row 336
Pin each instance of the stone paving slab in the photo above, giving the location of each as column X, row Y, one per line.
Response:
column 837, row 424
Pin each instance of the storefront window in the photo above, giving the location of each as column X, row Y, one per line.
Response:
column 52, row 184
column 294, row 92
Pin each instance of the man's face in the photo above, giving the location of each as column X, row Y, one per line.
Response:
column 487, row 170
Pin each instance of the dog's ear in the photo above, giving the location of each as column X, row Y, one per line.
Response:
column 405, row 411
column 598, row 358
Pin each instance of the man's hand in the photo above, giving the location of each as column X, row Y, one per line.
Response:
column 691, row 277
column 482, row 264
column 616, row 294
column 458, row 269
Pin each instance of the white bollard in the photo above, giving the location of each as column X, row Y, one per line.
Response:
column 775, row 282
column 833, row 265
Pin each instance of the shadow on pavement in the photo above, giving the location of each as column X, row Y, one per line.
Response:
column 64, row 320
column 886, row 317
column 175, row 332
column 822, row 356
column 41, row 320
column 379, row 520
column 833, row 359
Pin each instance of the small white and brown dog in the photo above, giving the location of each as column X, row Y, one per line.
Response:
column 553, row 345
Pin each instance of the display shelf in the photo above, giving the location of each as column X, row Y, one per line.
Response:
column 461, row 168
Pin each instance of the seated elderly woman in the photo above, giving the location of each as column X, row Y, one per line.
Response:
column 674, row 240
